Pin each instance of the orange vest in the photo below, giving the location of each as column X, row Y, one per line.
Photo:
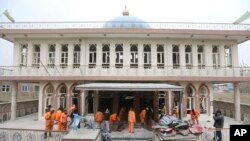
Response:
column 113, row 118
column 131, row 116
column 58, row 115
column 99, row 117
column 196, row 114
column 142, row 115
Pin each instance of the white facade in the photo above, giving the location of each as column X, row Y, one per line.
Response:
column 60, row 56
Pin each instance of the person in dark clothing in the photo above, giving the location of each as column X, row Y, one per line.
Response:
column 149, row 122
column 149, row 113
column 218, row 124
column 106, row 120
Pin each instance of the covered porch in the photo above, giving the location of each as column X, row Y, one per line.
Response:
column 114, row 96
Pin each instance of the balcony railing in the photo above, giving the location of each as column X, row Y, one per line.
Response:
column 125, row 70
column 120, row 24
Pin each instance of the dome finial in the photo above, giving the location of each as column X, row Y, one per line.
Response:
column 125, row 11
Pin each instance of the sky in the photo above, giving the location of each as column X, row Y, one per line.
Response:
column 202, row 11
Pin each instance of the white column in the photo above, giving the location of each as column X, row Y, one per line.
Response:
column 235, row 60
column 140, row 55
column 98, row 55
column 168, row 54
column 83, row 103
column 58, row 55
column 84, row 54
column 237, row 101
column 222, row 56
column 40, row 101
column 194, row 55
column 30, row 54
column 16, row 56
column 153, row 55
column 182, row 58
column 14, row 100
column 208, row 55
column 169, row 102
column 112, row 55
column 126, row 54
column 70, row 55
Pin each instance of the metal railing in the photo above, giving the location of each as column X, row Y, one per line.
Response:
column 122, row 24
column 11, row 134
column 125, row 70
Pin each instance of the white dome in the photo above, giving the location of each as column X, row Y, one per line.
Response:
column 126, row 22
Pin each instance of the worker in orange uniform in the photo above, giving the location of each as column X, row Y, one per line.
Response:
column 58, row 116
column 131, row 120
column 113, row 121
column 63, row 120
column 142, row 116
column 99, row 117
column 195, row 116
column 49, row 121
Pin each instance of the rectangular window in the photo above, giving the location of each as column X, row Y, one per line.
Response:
column 147, row 57
column 105, row 57
column 36, row 88
column 92, row 57
column 201, row 61
column 76, row 63
column 134, row 57
column 5, row 88
column 25, row 88
column 176, row 61
column 216, row 59
column 119, row 57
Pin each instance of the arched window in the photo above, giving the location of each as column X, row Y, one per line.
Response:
column 49, row 92
column 75, row 97
column 203, row 99
column 201, row 57
column 51, row 56
column 216, row 57
column 133, row 56
column 188, row 56
column 160, row 56
column 119, row 56
column 147, row 56
column 62, row 98
column 36, row 56
column 92, row 55
column 105, row 55
column 190, row 98
column 176, row 56
column 77, row 55
column 64, row 56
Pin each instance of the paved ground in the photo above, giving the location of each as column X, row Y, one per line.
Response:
column 31, row 122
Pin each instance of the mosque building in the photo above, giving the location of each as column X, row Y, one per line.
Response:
column 124, row 62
